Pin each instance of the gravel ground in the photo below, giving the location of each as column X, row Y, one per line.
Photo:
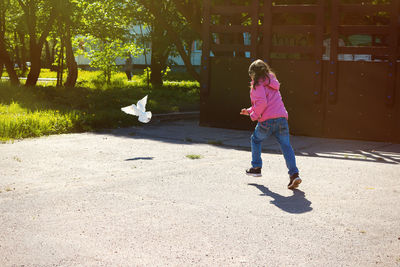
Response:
column 132, row 197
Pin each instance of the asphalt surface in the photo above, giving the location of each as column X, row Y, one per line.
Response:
column 135, row 197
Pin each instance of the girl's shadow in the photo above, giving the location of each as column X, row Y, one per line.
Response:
column 297, row 203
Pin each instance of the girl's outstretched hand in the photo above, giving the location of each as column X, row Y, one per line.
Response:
column 244, row 112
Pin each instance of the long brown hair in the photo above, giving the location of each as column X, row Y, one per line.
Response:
column 259, row 70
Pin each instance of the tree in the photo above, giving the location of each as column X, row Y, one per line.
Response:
column 178, row 29
column 104, row 53
column 72, row 66
column 39, row 19
column 20, row 41
column 106, row 30
column 68, row 25
column 183, row 23
column 5, row 7
column 159, row 53
column 161, row 46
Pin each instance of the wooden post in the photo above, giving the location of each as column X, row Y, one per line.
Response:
column 254, row 29
column 205, row 59
column 267, row 30
column 333, row 57
column 393, row 46
column 319, row 39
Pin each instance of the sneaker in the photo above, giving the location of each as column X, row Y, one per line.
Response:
column 294, row 181
column 256, row 172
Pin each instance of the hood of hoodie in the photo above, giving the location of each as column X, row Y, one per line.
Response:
column 272, row 83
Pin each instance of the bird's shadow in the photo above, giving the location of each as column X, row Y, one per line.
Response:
column 140, row 158
column 297, row 203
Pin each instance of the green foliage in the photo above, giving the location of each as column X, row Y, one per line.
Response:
column 103, row 54
column 147, row 73
column 106, row 25
column 106, row 35
column 105, row 19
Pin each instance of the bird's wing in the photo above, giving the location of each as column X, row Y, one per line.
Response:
column 132, row 110
column 141, row 104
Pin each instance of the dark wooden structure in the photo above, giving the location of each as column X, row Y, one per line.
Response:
column 332, row 85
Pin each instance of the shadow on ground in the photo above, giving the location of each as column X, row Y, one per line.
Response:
column 189, row 132
column 140, row 158
column 296, row 204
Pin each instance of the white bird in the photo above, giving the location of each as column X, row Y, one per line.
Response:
column 139, row 110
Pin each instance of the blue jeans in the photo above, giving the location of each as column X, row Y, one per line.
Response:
column 280, row 129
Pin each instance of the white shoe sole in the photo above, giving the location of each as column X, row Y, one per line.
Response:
column 254, row 174
column 295, row 183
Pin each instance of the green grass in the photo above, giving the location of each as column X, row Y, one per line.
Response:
column 86, row 74
column 44, row 73
column 18, row 122
column 91, row 105
column 192, row 156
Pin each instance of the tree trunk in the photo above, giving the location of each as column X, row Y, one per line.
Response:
column 107, row 74
column 48, row 56
column 5, row 58
column 60, row 66
column 34, row 73
column 155, row 76
column 36, row 43
column 53, row 53
column 17, row 51
column 23, row 66
column 72, row 66
column 156, row 56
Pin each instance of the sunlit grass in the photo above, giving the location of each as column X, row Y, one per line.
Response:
column 90, row 78
column 91, row 105
column 44, row 73
column 18, row 122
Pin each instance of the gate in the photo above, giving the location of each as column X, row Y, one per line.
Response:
column 337, row 61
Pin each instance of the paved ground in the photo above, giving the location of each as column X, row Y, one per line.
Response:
column 132, row 197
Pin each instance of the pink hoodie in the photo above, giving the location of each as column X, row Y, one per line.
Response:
column 266, row 101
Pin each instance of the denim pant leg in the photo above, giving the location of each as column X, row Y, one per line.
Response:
column 283, row 138
column 259, row 135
